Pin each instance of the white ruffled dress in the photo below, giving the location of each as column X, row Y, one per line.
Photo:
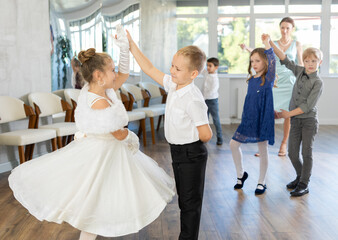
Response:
column 95, row 183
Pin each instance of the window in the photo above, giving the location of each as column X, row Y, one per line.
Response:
column 267, row 25
column 334, row 6
column 308, row 6
column 333, row 45
column 308, row 31
column 243, row 21
column 193, row 31
column 192, row 10
column 233, row 6
column 86, row 33
column 275, row 6
column 232, row 32
column 192, row 7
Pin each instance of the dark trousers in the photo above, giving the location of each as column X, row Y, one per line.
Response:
column 302, row 132
column 189, row 164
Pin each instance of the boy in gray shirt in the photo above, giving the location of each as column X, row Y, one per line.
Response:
column 303, row 113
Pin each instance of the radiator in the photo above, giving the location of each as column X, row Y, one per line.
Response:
column 241, row 93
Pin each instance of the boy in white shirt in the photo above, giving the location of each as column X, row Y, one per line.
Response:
column 210, row 94
column 186, row 128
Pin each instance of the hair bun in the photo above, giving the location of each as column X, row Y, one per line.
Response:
column 83, row 56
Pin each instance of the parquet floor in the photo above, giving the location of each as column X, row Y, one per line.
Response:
column 227, row 214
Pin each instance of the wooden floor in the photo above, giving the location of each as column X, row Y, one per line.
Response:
column 227, row 214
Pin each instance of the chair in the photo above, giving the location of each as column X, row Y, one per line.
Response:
column 47, row 104
column 59, row 117
column 134, row 116
column 71, row 96
column 13, row 109
column 136, row 94
column 155, row 92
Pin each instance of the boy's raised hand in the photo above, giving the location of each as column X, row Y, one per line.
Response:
column 265, row 38
column 242, row 45
column 130, row 39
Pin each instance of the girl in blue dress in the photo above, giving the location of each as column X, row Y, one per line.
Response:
column 257, row 124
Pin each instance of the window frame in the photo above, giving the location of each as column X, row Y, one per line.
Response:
column 325, row 17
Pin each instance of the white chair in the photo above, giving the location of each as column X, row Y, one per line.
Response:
column 47, row 104
column 59, row 117
column 136, row 94
column 13, row 109
column 134, row 116
column 60, row 93
column 155, row 91
column 71, row 96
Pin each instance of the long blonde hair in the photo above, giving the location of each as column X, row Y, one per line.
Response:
column 262, row 55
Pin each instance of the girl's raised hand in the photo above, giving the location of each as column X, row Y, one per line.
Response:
column 120, row 38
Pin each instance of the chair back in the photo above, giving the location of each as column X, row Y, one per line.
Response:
column 135, row 94
column 134, row 90
column 124, row 99
column 60, row 93
column 72, row 94
column 11, row 109
column 47, row 103
column 153, row 89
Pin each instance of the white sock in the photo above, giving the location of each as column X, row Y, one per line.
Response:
column 264, row 159
column 238, row 158
column 87, row 236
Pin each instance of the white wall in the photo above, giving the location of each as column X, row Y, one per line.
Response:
column 24, row 59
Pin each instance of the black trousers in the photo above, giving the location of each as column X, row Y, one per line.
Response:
column 189, row 164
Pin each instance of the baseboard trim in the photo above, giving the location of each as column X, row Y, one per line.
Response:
column 5, row 167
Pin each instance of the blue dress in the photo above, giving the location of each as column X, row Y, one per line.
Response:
column 285, row 81
column 258, row 114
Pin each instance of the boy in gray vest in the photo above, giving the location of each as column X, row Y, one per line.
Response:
column 303, row 113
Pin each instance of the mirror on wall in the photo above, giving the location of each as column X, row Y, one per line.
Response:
column 81, row 24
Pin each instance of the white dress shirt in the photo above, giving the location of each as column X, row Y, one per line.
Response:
column 185, row 111
column 210, row 85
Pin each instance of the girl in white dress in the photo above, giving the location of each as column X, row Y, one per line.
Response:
column 100, row 183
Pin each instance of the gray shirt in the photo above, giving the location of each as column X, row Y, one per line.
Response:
column 306, row 91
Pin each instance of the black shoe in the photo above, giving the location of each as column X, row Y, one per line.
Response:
column 260, row 191
column 219, row 141
column 293, row 184
column 300, row 190
column 239, row 186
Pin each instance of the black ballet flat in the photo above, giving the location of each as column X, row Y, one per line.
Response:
column 239, row 186
column 260, row 191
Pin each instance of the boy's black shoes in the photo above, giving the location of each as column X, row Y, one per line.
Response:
column 300, row 190
column 219, row 141
column 239, row 186
column 293, row 184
